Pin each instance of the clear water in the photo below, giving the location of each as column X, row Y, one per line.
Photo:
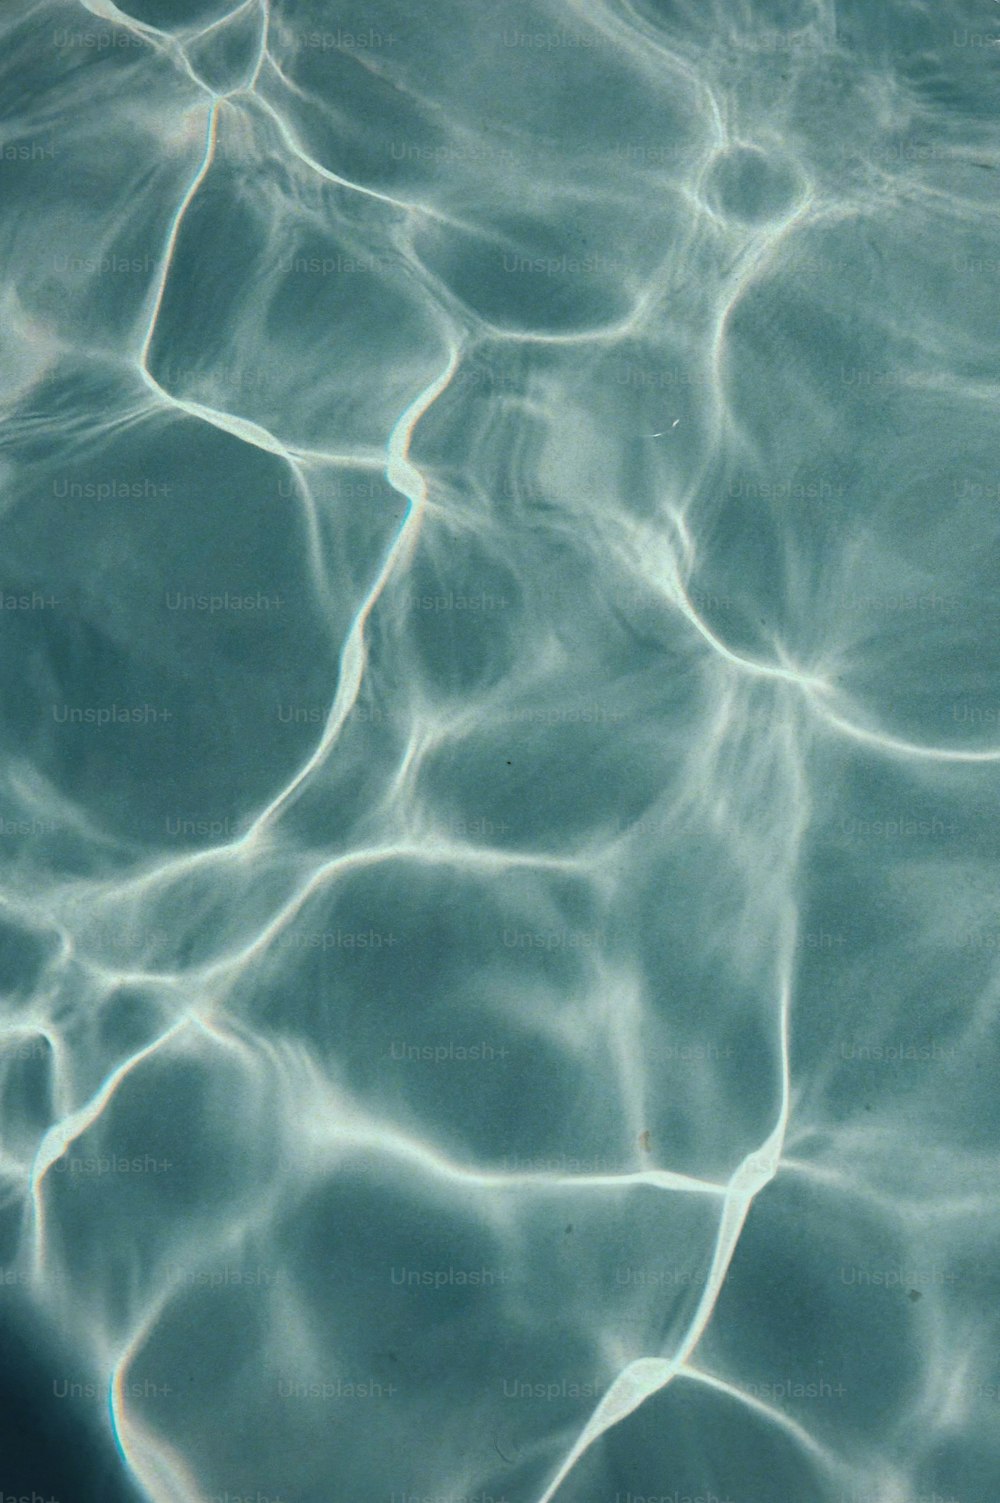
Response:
column 500, row 739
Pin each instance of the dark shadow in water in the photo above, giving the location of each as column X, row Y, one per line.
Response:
column 52, row 1450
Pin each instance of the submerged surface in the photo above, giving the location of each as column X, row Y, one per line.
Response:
column 500, row 721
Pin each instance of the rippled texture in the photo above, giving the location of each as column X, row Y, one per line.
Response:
column 500, row 729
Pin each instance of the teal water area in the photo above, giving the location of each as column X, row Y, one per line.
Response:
column 499, row 751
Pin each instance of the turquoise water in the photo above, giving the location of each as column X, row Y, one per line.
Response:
column 500, row 727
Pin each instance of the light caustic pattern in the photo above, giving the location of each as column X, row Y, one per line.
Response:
column 499, row 713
